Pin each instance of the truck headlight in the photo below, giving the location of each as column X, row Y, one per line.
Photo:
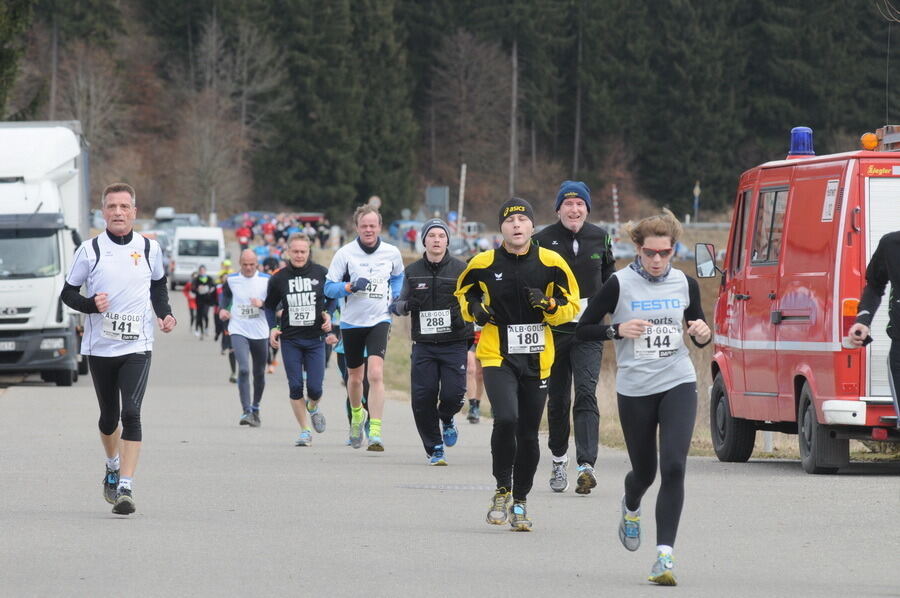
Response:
column 50, row 344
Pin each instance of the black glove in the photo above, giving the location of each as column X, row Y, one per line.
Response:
column 539, row 300
column 399, row 308
column 481, row 313
column 359, row 284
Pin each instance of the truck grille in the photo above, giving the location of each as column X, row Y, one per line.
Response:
column 10, row 356
column 13, row 321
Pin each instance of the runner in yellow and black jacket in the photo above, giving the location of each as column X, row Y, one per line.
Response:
column 514, row 292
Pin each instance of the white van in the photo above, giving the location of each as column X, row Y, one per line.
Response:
column 196, row 246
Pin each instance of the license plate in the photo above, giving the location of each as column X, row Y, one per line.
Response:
column 7, row 345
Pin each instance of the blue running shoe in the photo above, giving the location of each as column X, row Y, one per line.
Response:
column 110, row 485
column 630, row 529
column 375, row 444
column 437, row 457
column 451, row 434
column 304, row 439
column 663, row 570
column 518, row 518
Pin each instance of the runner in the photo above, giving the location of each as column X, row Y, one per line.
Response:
column 513, row 292
column 656, row 383
column 474, row 380
column 191, row 298
column 126, row 284
column 440, row 340
column 204, row 287
column 368, row 272
column 588, row 251
column 298, row 290
column 243, row 296
column 270, row 266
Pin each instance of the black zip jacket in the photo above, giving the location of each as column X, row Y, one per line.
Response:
column 594, row 263
column 884, row 267
column 298, row 287
column 430, row 286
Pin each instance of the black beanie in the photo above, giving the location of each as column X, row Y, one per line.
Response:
column 516, row 205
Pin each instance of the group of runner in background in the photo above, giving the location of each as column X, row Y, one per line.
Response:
column 522, row 322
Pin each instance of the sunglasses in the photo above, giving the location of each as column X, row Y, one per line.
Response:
column 651, row 253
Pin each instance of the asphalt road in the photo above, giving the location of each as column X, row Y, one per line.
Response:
column 225, row 510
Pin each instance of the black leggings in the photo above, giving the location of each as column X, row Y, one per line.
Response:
column 517, row 403
column 203, row 316
column 125, row 375
column 672, row 412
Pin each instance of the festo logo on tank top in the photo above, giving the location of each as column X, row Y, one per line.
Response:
column 656, row 304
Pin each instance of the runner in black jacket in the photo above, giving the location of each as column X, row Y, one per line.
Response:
column 587, row 250
column 298, row 290
column 883, row 268
column 440, row 340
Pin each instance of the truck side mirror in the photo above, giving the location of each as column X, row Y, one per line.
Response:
column 76, row 238
column 705, row 260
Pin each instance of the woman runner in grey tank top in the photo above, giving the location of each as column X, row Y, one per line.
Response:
column 650, row 302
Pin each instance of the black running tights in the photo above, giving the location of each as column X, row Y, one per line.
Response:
column 517, row 404
column 125, row 376
column 672, row 413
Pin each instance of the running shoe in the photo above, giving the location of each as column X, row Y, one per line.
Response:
column 499, row 511
column 356, row 431
column 437, row 457
column 559, row 479
column 663, row 570
column 518, row 518
column 256, row 422
column 375, row 444
column 247, row 419
column 110, row 484
column 585, row 480
column 232, row 378
column 630, row 529
column 474, row 413
column 318, row 421
column 304, row 439
column 124, row 504
column 451, row 434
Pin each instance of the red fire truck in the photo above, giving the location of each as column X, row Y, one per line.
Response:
column 802, row 233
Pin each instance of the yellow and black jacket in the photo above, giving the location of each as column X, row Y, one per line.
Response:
column 499, row 279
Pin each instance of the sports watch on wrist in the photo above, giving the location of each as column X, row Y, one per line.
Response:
column 612, row 332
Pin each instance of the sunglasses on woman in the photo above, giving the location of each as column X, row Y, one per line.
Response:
column 651, row 253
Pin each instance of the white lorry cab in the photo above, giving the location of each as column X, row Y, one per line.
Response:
column 196, row 246
column 44, row 193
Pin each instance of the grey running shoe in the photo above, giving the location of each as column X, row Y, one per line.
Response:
column 663, row 570
column 630, row 529
column 559, row 479
column 499, row 511
column 585, row 480
column 304, row 439
column 518, row 518
column 255, row 422
column 124, row 504
column 474, row 415
column 357, row 432
column 246, row 419
column 110, row 485
column 318, row 421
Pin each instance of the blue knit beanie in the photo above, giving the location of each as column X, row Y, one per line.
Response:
column 573, row 189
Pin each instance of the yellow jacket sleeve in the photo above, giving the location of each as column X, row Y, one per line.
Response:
column 564, row 289
column 467, row 287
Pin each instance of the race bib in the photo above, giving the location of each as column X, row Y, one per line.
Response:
column 302, row 315
column 525, row 338
column 246, row 311
column 434, row 321
column 376, row 289
column 203, row 289
column 660, row 340
column 122, row 327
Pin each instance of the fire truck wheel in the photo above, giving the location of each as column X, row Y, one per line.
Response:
column 819, row 452
column 732, row 437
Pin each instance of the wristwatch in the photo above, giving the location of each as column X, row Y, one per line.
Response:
column 612, row 332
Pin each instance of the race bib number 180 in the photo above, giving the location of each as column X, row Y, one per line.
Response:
column 525, row 338
column 122, row 327
column 658, row 341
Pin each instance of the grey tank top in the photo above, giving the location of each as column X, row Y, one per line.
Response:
column 659, row 360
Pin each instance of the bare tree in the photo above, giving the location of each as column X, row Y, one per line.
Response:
column 470, row 95
column 90, row 92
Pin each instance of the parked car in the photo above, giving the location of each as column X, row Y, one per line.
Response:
column 623, row 250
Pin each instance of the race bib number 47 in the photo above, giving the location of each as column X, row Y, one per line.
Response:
column 525, row 338
column 376, row 289
column 122, row 327
column 658, row 341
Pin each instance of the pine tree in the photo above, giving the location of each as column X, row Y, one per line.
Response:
column 387, row 128
column 15, row 18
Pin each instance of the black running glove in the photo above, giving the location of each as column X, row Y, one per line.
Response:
column 481, row 313
column 539, row 300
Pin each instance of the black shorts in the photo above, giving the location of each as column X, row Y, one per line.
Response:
column 362, row 342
